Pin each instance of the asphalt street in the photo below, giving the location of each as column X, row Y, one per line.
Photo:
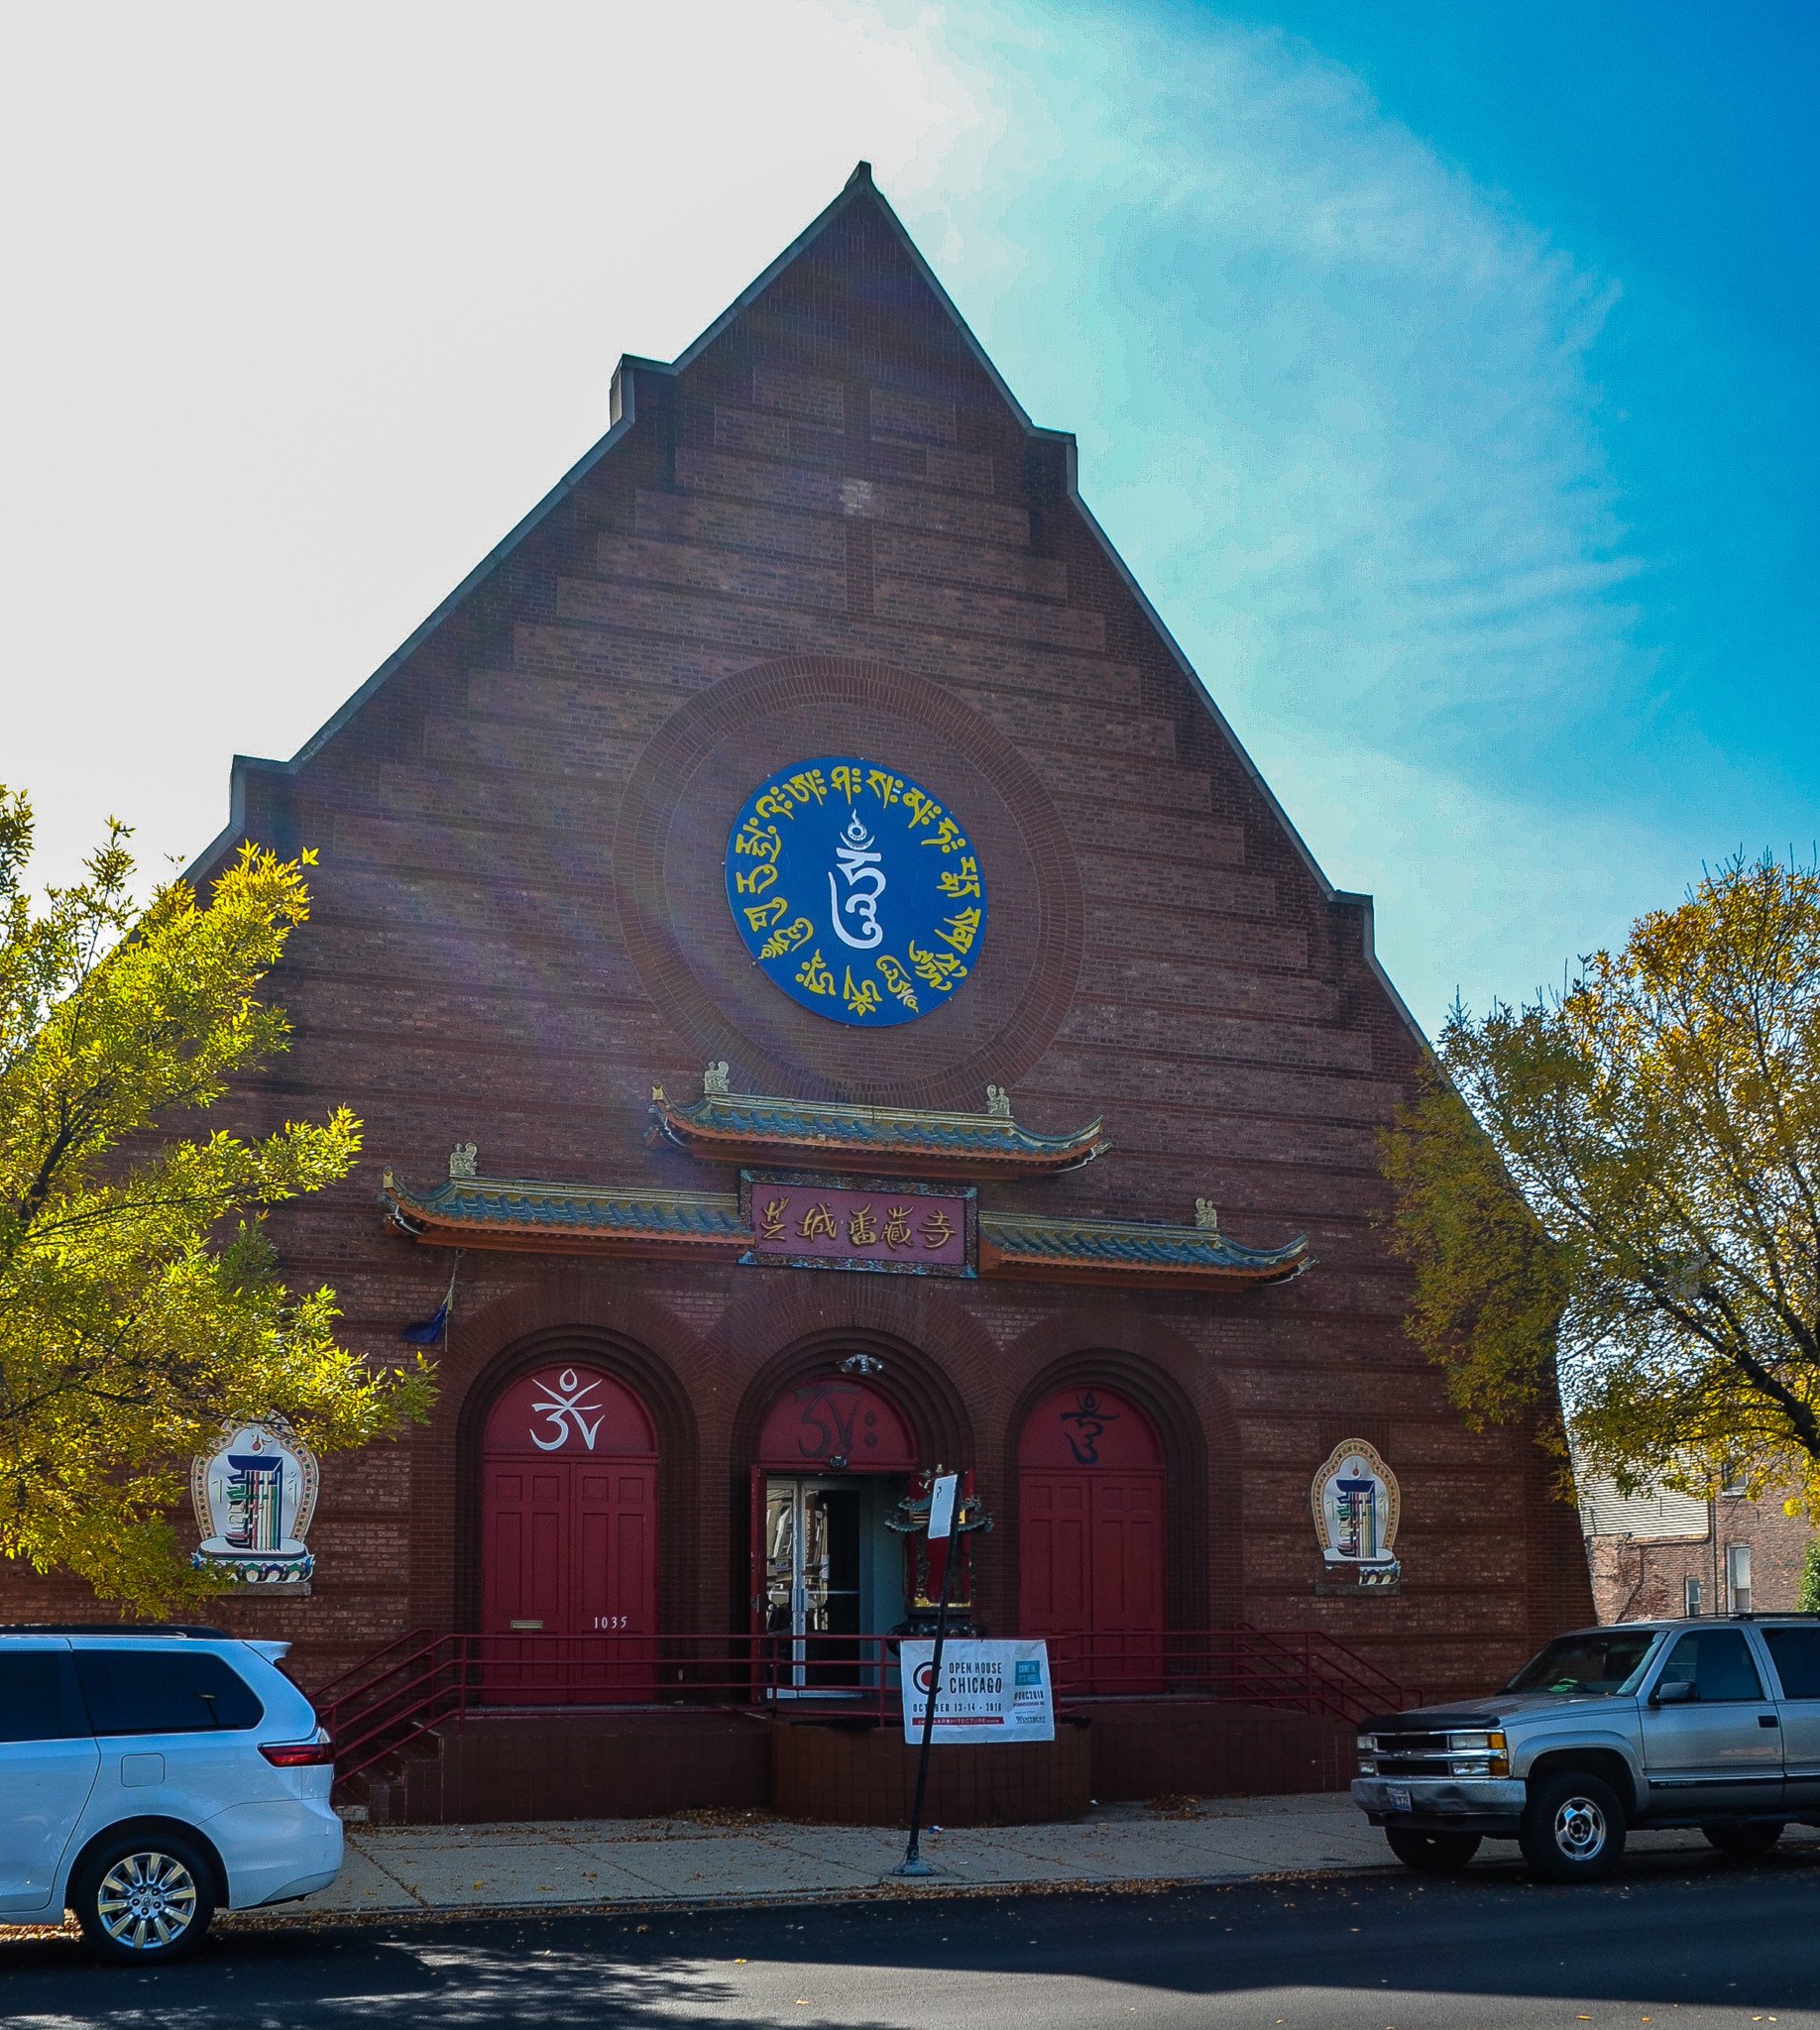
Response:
column 1681, row 1941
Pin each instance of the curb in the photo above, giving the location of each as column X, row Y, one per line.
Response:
column 880, row 1892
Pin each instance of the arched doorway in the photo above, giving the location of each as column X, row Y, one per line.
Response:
column 568, row 1537
column 834, row 1459
column 1090, row 1530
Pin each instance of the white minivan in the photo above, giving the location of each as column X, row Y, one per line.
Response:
column 149, row 1777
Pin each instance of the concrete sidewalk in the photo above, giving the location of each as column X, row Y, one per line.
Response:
column 743, row 1858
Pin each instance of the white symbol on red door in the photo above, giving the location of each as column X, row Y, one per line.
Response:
column 566, row 1398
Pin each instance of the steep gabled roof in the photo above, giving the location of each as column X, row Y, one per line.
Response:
column 859, row 189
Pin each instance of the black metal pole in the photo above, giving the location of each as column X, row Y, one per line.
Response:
column 913, row 1863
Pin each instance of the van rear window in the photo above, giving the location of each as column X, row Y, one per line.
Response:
column 1797, row 1660
column 164, row 1691
column 32, row 1706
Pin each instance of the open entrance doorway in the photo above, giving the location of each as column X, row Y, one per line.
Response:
column 568, row 1541
column 835, row 1459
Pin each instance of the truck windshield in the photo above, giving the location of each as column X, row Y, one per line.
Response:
column 1599, row 1664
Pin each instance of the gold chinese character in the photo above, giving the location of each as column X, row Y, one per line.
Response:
column 860, row 1228
column 814, row 974
column 849, row 779
column 809, row 784
column 774, row 1228
column 961, row 929
column 897, row 1227
column 921, row 808
column 818, row 1219
column 936, row 1232
column 966, row 882
column 757, row 881
column 947, row 837
column 885, row 785
column 865, row 997
column 768, row 912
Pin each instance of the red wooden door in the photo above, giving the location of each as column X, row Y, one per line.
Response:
column 569, row 1542
column 1091, row 1527
column 1056, row 1522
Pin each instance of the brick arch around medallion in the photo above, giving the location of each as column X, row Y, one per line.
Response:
column 921, row 1343
column 577, row 1321
column 1146, row 1362
column 669, row 853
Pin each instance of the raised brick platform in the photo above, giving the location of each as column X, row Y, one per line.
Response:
column 866, row 1777
column 532, row 1767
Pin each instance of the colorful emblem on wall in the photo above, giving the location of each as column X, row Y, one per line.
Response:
column 856, row 891
column 254, row 1496
column 1356, row 1508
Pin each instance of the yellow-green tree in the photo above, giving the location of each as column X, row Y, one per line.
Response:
column 140, row 1305
column 1619, row 1184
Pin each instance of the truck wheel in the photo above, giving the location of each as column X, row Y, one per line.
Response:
column 1572, row 1829
column 1434, row 1853
column 144, row 1898
column 1743, row 1840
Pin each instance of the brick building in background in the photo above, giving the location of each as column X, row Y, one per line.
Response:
column 827, row 549
column 1662, row 1553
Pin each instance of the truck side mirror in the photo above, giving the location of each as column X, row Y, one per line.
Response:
column 1675, row 1694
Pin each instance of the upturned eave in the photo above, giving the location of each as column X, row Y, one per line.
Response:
column 748, row 1128
column 532, row 1217
column 1039, row 1248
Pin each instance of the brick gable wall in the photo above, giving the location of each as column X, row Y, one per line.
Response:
column 830, row 531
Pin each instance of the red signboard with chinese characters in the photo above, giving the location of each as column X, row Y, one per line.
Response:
column 806, row 1221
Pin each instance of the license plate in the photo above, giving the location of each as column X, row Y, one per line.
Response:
column 1400, row 1798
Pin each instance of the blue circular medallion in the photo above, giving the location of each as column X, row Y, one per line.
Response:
column 856, row 891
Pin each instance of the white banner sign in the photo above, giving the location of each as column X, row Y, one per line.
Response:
column 990, row 1691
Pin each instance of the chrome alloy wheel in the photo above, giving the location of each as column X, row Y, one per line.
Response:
column 1579, row 1829
column 146, row 1901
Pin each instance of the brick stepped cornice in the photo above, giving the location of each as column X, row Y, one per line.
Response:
column 1045, row 1247
column 751, row 1128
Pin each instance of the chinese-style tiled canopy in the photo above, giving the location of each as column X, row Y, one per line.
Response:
column 584, row 1219
column 746, row 1128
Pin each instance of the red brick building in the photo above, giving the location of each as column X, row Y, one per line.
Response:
column 828, row 538
column 1661, row 1553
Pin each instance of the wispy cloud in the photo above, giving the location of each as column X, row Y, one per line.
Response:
column 1341, row 411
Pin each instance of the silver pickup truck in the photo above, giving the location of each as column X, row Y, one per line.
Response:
column 1713, row 1724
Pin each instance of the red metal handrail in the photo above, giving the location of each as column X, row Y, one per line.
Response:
column 326, row 1693
column 421, row 1679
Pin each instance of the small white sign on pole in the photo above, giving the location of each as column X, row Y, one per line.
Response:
column 941, row 1507
column 990, row 1691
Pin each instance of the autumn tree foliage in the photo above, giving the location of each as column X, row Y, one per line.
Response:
column 140, row 1305
column 1619, row 1185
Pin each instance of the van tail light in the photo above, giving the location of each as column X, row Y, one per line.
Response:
column 298, row 1754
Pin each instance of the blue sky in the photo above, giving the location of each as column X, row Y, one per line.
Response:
column 1443, row 373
